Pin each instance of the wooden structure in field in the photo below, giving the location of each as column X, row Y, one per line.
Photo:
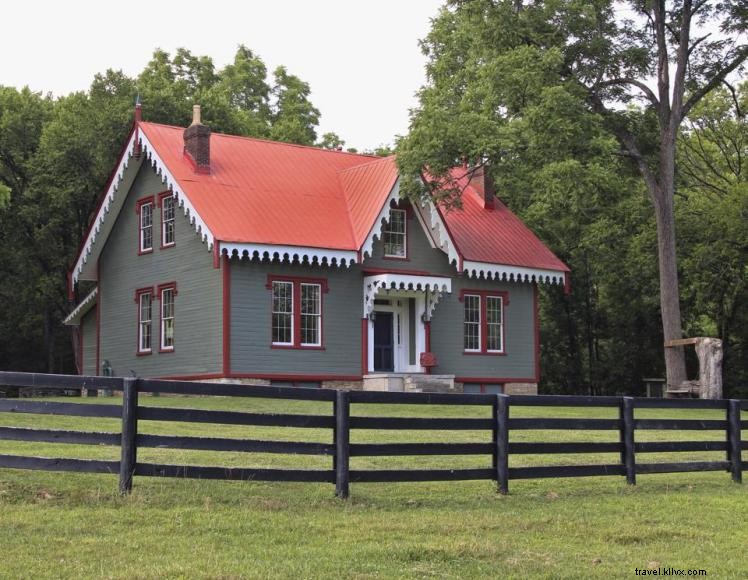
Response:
column 709, row 383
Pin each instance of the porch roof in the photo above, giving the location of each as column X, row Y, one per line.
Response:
column 433, row 286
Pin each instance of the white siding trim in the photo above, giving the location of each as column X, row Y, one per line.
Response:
column 386, row 282
column 512, row 273
column 438, row 230
column 104, row 209
column 289, row 254
column 162, row 170
column 74, row 318
column 376, row 229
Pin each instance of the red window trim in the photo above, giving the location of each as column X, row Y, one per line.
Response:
column 138, row 293
column 160, row 204
column 139, row 204
column 408, row 216
column 483, row 294
column 159, row 292
column 296, row 282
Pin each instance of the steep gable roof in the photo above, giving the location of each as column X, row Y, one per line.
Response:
column 494, row 236
column 284, row 201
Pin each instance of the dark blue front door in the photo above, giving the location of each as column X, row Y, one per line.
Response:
column 384, row 360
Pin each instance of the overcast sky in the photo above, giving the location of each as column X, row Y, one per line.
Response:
column 361, row 57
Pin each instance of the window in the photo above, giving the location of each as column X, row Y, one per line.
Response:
column 395, row 235
column 483, row 321
column 283, row 313
column 145, row 223
column 494, row 342
column 296, row 311
column 144, row 299
column 472, row 323
column 167, row 220
column 310, row 315
column 167, row 293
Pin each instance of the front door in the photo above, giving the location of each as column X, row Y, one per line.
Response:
column 384, row 359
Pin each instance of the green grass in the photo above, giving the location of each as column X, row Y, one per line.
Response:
column 75, row 525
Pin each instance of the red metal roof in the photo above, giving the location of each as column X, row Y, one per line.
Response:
column 277, row 193
column 266, row 192
column 494, row 236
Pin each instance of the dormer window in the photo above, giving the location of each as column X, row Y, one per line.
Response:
column 395, row 235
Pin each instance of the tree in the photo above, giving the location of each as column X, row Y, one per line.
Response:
column 489, row 60
column 331, row 141
column 294, row 117
column 711, row 217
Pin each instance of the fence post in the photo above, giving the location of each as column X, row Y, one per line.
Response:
column 129, row 433
column 342, row 443
column 501, row 442
column 628, row 457
column 733, row 440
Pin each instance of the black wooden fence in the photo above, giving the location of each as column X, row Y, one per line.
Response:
column 341, row 422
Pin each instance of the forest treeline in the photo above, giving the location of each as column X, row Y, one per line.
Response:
column 56, row 155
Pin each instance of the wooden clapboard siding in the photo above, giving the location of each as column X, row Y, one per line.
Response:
column 189, row 263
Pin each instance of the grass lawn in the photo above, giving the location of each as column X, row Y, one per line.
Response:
column 76, row 525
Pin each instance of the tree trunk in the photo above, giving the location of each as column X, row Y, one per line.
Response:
column 664, row 199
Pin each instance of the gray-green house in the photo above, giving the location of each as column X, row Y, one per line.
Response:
column 220, row 257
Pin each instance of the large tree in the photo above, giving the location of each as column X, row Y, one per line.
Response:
column 639, row 67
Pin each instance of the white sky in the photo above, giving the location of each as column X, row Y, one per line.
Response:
column 361, row 57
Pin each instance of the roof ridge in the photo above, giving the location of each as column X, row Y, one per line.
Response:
column 272, row 142
column 360, row 165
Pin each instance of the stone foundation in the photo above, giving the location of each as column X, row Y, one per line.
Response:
column 409, row 383
column 520, row 388
column 344, row 385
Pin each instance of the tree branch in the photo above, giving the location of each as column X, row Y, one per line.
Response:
column 628, row 141
column 716, row 80
column 735, row 100
column 635, row 83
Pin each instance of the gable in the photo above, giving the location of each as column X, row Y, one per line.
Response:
column 283, row 202
column 422, row 254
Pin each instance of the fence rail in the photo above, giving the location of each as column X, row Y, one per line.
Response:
column 341, row 422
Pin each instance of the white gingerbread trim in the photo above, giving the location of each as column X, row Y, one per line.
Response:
column 162, row 170
column 302, row 254
column 408, row 282
column 506, row 273
column 106, row 204
column 376, row 229
column 74, row 318
column 438, row 230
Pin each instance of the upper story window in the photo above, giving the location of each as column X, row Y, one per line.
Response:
column 395, row 235
column 296, row 311
column 167, row 292
column 144, row 300
column 145, row 225
column 483, row 321
column 168, row 215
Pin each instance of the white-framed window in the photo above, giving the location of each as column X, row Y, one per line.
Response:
column 283, row 313
column 145, row 322
column 395, row 235
column 483, row 321
column 146, row 226
column 311, row 314
column 472, row 323
column 167, row 318
column 167, row 221
column 494, row 323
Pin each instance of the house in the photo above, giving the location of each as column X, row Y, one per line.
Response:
column 219, row 257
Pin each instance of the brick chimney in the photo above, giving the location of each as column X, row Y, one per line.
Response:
column 197, row 143
column 484, row 186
